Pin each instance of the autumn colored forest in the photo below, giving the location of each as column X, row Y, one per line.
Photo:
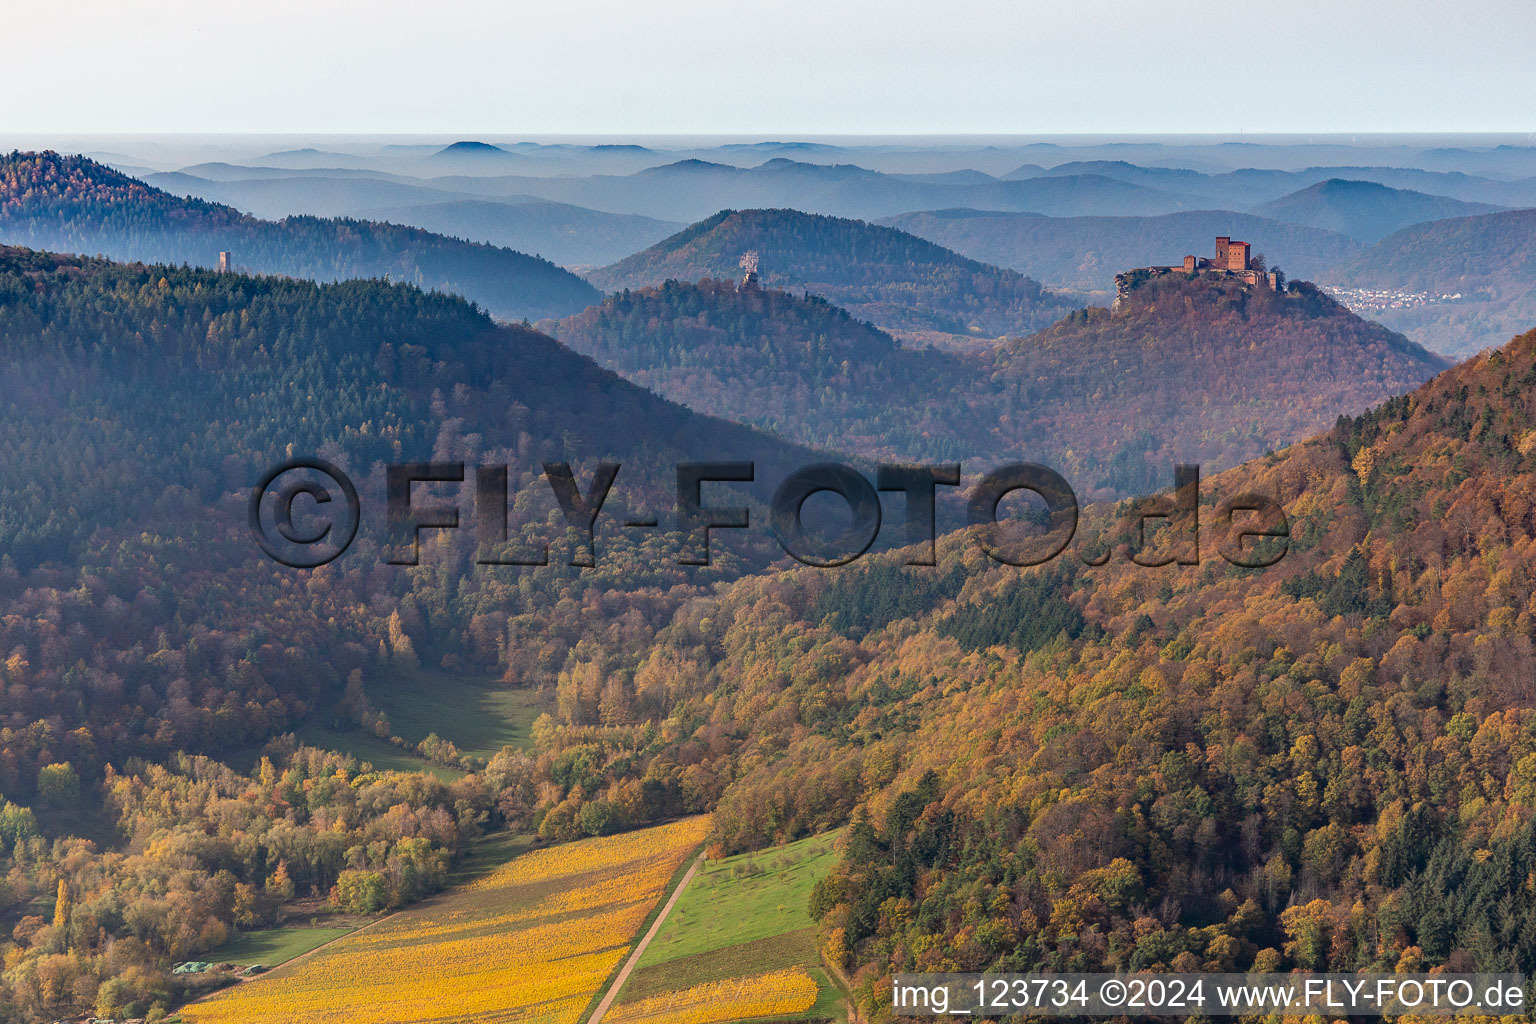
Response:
column 1328, row 763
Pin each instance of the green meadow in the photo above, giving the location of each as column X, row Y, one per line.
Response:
column 742, row 916
column 272, row 946
column 479, row 715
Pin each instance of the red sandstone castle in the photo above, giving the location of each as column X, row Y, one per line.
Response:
column 1233, row 260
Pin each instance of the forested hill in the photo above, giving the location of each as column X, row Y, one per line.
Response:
column 1365, row 210
column 1485, row 262
column 1328, row 764
column 72, row 204
column 1187, row 372
column 1190, row 370
column 796, row 365
column 888, row 277
column 262, row 365
column 140, row 623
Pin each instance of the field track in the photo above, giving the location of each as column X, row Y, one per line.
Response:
column 639, row 950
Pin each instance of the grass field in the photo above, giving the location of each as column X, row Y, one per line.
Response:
column 383, row 755
column 528, row 941
column 272, row 946
column 479, row 715
column 739, row 945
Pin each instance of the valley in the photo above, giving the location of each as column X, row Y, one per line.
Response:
column 466, row 789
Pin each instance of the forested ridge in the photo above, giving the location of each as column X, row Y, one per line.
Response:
column 798, row 366
column 142, row 630
column 1066, row 767
column 1484, row 260
column 888, row 277
column 1329, row 764
column 1187, row 371
column 1191, row 370
column 73, row 204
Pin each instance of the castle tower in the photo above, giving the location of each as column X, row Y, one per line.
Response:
column 749, row 265
column 226, row 262
column 1223, row 243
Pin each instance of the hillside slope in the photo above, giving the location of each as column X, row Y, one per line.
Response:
column 263, row 365
column 1328, row 764
column 795, row 365
column 1485, row 260
column 891, row 278
column 569, row 235
column 1364, row 210
column 72, row 204
column 1187, row 372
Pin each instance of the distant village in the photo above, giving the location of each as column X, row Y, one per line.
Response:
column 1371, row 301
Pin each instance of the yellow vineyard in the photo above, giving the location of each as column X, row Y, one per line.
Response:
column 529, row 942
column 766, row 995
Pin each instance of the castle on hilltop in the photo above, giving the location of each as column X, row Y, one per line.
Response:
column 1233, row 260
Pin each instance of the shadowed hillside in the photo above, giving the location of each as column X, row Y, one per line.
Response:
column 1189, row 371
column 72, row 204
column 891, row 278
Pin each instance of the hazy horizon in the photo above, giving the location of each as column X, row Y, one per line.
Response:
column 603, row 67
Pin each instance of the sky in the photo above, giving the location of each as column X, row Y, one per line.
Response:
column 784, row 66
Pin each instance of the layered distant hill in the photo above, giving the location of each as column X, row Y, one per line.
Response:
column 889, row 277
column 1187, row 371
column 696, row 186
column 1246, row 187
column 1087, row 252
column 690, row 189
column 572, row 236
column 1364, row 210
column 1486, row 261
column 680, row 190
column 72, row 204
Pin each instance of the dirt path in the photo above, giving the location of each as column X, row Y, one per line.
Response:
column 845, row 988
column 634, row 957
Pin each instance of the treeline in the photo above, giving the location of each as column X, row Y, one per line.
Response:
column 211, row 851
